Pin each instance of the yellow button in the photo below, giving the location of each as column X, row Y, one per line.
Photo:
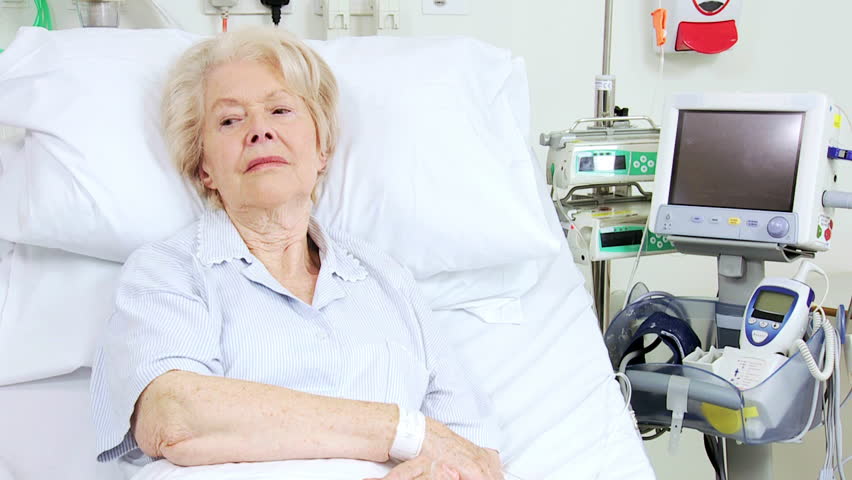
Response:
column 734, row 221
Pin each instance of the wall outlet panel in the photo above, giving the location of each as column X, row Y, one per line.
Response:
column 356, row 7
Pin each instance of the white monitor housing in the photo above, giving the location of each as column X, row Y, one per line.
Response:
column 746, row 167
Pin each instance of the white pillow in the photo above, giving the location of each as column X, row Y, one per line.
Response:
column 97, row 177
column 449, row 161
column 56, row 305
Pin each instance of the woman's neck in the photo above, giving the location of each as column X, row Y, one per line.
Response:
column 279, row 239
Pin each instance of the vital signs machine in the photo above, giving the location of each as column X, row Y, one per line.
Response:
column 748, row 168
column 750, row 178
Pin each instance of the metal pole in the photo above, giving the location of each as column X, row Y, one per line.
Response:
column 600, row 284
column 607, row 36
column 605, row 83
column 738, row 277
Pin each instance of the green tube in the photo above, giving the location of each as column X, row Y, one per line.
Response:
column 43, row 17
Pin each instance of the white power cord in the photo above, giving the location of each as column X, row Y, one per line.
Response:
column 830, row 346
column 819, row 320
column 636, row 262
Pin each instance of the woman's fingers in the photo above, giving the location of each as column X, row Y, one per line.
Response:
column 447, row 473
column 421, row 468
column 409, row 470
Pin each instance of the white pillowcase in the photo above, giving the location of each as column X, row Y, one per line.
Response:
column 56, row 304
column 93, row 175
column 436, row 154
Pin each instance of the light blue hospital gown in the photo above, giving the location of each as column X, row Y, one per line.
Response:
column 201, row 302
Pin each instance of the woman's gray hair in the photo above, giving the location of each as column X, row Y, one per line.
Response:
column 305, row 73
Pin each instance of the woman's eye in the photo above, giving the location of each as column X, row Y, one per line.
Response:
column 281, row 111
column 228, row 122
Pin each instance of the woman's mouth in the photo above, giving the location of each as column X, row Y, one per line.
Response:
column 263, row 162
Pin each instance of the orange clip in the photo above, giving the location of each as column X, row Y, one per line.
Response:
column 660, row 16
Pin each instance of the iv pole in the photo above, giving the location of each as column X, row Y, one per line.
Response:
column 604, row 107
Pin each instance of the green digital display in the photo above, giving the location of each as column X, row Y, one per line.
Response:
column 774, row 302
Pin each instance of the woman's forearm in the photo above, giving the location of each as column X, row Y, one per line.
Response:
column 193, row 419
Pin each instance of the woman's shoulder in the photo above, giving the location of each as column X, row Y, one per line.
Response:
column 167, row 264
column 179, row 248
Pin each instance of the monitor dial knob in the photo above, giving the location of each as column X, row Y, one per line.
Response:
column 778, row 227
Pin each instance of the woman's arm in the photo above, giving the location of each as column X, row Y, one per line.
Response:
column 193, row 419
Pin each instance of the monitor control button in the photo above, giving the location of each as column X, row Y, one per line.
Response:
column 778, row 227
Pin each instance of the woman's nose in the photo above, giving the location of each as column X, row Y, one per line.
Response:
column 260, row 136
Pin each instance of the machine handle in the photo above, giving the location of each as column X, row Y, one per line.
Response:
column 613, row 119
column 558, row 139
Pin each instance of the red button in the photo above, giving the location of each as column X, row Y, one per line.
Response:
column 831, row 224
column 828, row 235
column 706, row 37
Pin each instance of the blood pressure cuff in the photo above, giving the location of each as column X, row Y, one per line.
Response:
column 670, row 331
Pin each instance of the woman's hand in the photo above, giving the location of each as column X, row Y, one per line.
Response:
column 447, row 456
column 470, row 461
column 421, row 468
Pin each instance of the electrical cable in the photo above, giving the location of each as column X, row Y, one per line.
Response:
column 168, row 19
column 846, row 398
column 275, row 7
column 636, row 261
column 657, row 434
column 622, row 368
column 710, row 450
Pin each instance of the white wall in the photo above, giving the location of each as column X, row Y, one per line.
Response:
column 786, row 45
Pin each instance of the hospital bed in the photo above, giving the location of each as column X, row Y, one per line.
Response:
column 535, row 349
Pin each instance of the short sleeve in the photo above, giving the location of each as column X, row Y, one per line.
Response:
column 453, row 397
column 161, row 322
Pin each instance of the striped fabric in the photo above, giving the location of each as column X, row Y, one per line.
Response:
column 201, row 302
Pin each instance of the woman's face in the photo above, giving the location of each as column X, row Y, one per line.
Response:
column 260, row 142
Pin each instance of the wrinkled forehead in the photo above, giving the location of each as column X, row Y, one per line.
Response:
column 244, row 82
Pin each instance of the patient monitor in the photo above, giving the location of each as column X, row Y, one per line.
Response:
column 749, row 178
column 747, row 167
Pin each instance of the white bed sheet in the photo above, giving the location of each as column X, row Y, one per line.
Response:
column 46, row 430
column 552, row 385
column 549, row 379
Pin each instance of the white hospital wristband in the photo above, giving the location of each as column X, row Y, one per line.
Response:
column 410, row 433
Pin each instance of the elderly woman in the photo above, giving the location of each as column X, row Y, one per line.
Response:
column 256, row 334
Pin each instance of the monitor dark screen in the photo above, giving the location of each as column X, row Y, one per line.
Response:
column 736, row 159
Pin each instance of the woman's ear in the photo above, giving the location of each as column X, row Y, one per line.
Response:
column 323, row 159
column 205, row 177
